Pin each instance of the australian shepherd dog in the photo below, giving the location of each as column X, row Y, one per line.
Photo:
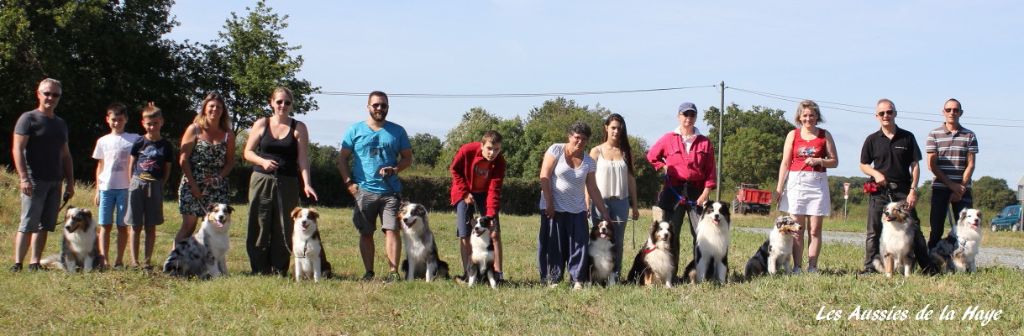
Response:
column 712, row 250
column 653, row 263
column 306, row 246
column 481, row 259
column 958, row 251
column 421, row 258
column 776, row 252
column 896, row 243
column 204, row 255
column 79, row 250
column 602, row 262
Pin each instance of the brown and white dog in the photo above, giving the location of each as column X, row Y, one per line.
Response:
column 421, row 258
column 653, row 263
column 896, row 243
column 79, row 249
column 776, row 252
column 481, row 259
column 958, row 251
column 306, row 246
column 204, row 255
column 712, row 250
column 602, row 262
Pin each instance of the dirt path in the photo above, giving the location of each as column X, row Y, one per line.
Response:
column 987, row 256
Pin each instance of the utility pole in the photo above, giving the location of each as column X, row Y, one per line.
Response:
column 718, row 162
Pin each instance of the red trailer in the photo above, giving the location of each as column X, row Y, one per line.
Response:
column 750, row 199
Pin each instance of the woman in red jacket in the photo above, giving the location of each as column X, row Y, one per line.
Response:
column 478, row 170
column 687, row 161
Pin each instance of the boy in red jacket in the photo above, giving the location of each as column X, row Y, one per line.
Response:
column 478, row 170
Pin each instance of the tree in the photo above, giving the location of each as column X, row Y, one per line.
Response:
column 102, row 52
column 253, row 59
column 425, row 148
column 547, row 125
column 752, row 156
column 992, row 193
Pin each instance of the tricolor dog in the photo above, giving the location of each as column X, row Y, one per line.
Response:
column 602, row 262
column 204, row 255
column 776, row 252
column 653, row 263
column 895, row 244
column 958, row 251
column 421, row 258
column 712, row 250
column 481, row 259
column 79, row 249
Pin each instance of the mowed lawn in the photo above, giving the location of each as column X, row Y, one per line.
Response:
column 136, row 302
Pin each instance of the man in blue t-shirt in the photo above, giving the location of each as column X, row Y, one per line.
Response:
column 379, row 150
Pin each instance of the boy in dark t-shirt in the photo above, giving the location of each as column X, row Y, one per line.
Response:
column 151, row 164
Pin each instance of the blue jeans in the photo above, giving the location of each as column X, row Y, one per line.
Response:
column 618, row 211
column 113, row 202
column 940, row 205
column 563, row 240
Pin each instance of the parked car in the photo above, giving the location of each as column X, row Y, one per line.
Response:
column 1007, row 219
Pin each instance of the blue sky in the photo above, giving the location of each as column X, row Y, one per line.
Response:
column 917, row 53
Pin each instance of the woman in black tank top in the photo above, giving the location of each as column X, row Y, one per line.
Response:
column 277, row 148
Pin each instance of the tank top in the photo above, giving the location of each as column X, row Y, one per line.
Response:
column 803, row 149
column 610, row 176
column 284, row 151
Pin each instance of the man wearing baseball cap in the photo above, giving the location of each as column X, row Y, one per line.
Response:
column 687, row 161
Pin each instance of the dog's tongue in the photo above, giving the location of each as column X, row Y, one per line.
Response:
column 219, row 223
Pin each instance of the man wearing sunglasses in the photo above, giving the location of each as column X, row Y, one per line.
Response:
column 890, row 157
column 951, row 149
column 43, row 161
column 379, row 150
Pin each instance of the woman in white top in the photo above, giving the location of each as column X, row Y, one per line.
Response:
column 564, row 233
column 617, row 182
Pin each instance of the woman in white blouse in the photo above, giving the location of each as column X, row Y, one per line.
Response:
column 617, row 182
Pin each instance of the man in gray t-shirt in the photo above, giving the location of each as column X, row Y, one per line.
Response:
column 43, row 161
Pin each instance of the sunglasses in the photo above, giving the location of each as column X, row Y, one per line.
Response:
column 285, row 102
column 689, row 114
column 889, row 112
column 51, row 94
column 382, row 106
column 952, row 110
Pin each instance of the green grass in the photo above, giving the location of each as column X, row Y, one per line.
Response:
column 134, row 302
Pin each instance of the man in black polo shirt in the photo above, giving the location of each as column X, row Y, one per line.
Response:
column 890, row 156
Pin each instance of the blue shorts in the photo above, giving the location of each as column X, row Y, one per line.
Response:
column 113, row 201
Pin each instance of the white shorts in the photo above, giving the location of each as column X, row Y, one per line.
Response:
column 806, row 194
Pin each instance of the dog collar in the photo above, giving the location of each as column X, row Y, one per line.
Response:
column 649, row 250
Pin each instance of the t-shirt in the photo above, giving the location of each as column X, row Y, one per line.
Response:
column 114, row 150
column 951, row 150
column 46, row 140
column 567, row 183
column 373, row 150
column 151, row 157
column 892, row 157
column 480, row 176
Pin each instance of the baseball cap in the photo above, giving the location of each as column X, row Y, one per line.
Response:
column 687, row 106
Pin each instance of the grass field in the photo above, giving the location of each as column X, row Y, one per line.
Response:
column 135, row 302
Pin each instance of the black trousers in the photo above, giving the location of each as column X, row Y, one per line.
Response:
column 940, row 205
column 674, row 209
column 876, row 205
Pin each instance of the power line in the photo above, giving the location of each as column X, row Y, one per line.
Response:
column 516, row 95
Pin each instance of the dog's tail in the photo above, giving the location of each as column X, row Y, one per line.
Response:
column 877, row 263
column 52, row 262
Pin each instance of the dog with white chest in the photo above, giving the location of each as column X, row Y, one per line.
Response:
column 79, row 250
column 896, row 242
column 712, row 249
column 599, row 252
column 481, row 259
column 204, row 254
column 959, row 250
column 776, row 252
column 306, row 245
column 653, row 263
column 421, row 258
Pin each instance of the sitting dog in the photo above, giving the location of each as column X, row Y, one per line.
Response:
column 776, row 252
column 957, row 252
column 896, row 243
column 306, row 247
column 79, row 248
column 204, row 255
column 481, row 260
column 602, row 262
column 653, row 263
column 421, row 259
column 712, row 250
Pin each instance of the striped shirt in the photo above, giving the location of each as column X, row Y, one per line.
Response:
column 568, row 184
column 951, row 150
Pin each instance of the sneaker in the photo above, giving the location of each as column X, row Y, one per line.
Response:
column 553, row 285
column 16, row 268
column 812, row 270
column 34, row 267
column 368, row 276
column 797, row 270
column 867, row 271
column 577, row 286
column 392, row 277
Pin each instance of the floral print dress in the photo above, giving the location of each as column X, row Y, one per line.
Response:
column 207, row 160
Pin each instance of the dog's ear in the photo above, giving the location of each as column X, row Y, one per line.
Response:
column 963, row 213
column 211, row 207
column 85, row 212
column 296, row 211
column 709, row 204
column 313, row 214
column 230, row 209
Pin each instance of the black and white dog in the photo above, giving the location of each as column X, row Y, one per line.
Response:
column 896, row 243
column 653, row 263
column 481, row 259
column 204, row 255
column 78, row 249
column 712, row 250
column 601, row 260
column 958, row 251
column 306, row 244
column 776, row 252
column 421, row 258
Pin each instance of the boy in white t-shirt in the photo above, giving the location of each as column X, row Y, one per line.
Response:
column 112, row 179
